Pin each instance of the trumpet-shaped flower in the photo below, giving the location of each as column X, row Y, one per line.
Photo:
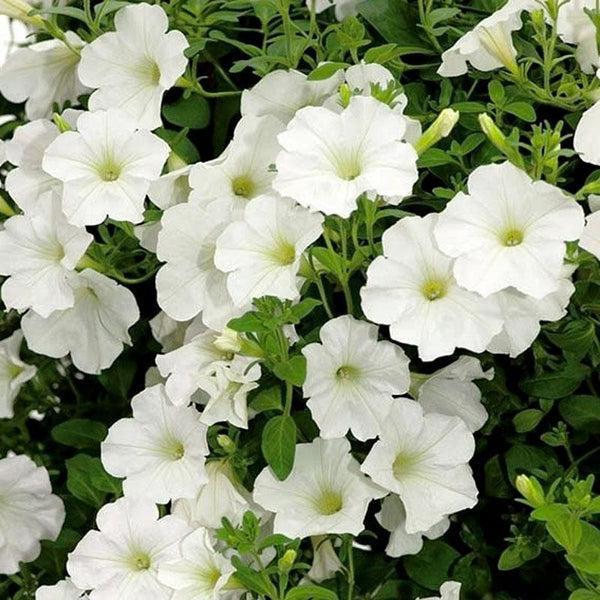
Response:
column 424, row 459
column 451, row 391
column 243, row 172
column 489, row 45
column 262, row 253
column 63, row 590
column 584, row 141
column 351, row 378
column 184, row 366
column 574, row 26
column 135, row 65
column 590, row 238
column 412, row 289
column 221, row 497
column 25, row 150
column 324, row 493
column 160, row 451
column 39, row 252
column 189, row 282
column 343, row 8
column 29, row 512
column 200, row 573
column 449, row 591
column 13, row 373
column 392, row 518
column 226, row 388
column 43, row 74
column 522, row 315
column 330, row 159
column 121, row 560
column 106, row 167
column 282, row 93
column 93, row 330
column 508, row 231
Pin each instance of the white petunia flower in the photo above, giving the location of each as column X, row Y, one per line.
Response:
column 584, row 141
column 412, row 289
column 184, row 366
column 121, row 560
column 106, row 167
column 522, row 315
column 63, row 590
column 392, row 517
column 343, row 8
column 330, row 159
column 489, row 45
column 135, row 65
column 449, row 591
column 25, row 150
column 242, row 172
column 325, row 563
column 282, row 93
column 351, row 378
column 508, row 231
column 166, row 191
column 574, row 26
column 39, row 252
column 590, row 238
column 226, row 389
column 424, row 459
column 189, row 282
column 324, row 493
column 262, row 253
column 451, row 391
column 13, row 373
column 200, row 573
column 222, row 496
column 29, row 512
column 44, row 73
column 161, row 451
column 167, row 332
column 93, row 330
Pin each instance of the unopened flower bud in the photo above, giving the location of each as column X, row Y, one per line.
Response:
column 438, row 130
column 18, row 9
column 531, row 490
column 345, row 95
column 499, row 140
column 286, row 562
column 226, row 443
column 229, row 341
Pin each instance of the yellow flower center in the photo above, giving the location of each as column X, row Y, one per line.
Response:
column 243, row 186
column 283, row 253
column 140, row 561
column 329, row 503
column 433, row 289
column 512, row 237
column 403, row 465
column 109, row 170
column 346, row 372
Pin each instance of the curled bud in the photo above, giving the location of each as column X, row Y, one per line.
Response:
column 17, row 9
column 438, row 130
column 286, row 562
column 226, row 443
column 531, row 490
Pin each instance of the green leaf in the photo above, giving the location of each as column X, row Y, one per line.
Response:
column 527, row 420
column 332, row 261
column 279, row 445
column 434, row 157
column 586, row 557
column 510, row 559
column 581, row 412
column 306, row 592
column 269, row 399
column 293, row 370
column 88, row 481
column 276, row 539
column 583, row 594
column 496, row 92
column 326, row 70
column 251, row 579
column 558, row 384
column 79, row 433
column 522, row 110
column 192, row 112
column 304, row 308
column 117, row 380
column 430, row 568
column 248, row 323
column 382, row 54
column 577, row 336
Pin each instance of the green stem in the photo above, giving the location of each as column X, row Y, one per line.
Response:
column 6, row 208
column 351, row 581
